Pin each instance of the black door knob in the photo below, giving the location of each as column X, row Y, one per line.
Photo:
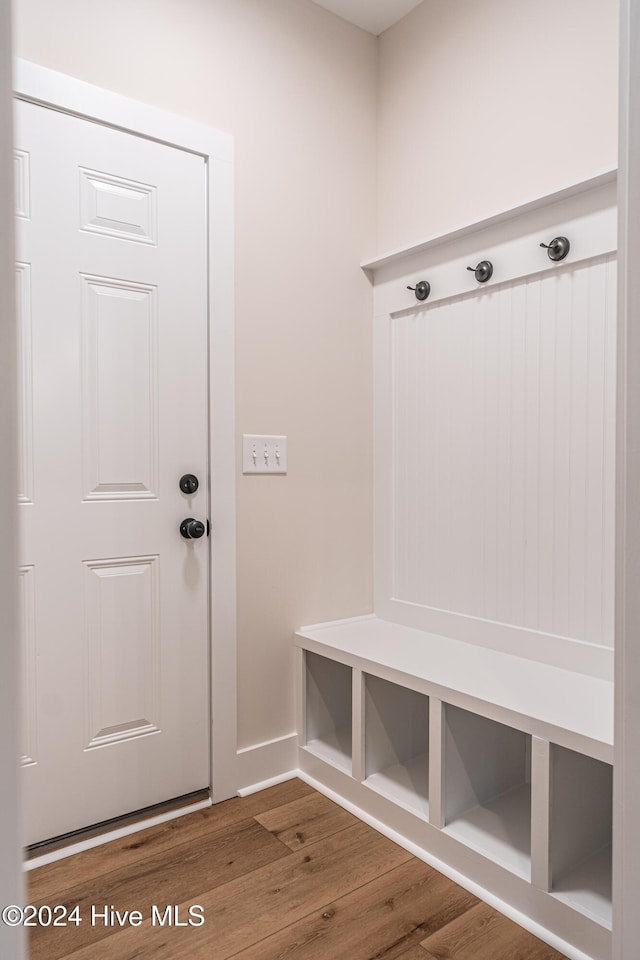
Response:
column 192, row 529
column 189, row 483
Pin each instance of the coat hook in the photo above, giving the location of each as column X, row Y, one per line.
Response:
column 483, row 272
column 558, row 248
column 421, row 289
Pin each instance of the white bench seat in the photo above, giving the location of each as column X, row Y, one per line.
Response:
column 571, row 709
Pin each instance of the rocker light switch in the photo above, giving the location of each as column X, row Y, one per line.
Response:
column 262, row 454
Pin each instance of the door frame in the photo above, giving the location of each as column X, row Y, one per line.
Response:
column 12, row 941
column 39, row 85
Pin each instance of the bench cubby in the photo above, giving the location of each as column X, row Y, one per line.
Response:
column 328, row 710
column 397, row 743
column 580, row 831
column 487, row 788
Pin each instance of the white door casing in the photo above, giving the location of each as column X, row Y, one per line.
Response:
column 12, row 940
column 130, row 261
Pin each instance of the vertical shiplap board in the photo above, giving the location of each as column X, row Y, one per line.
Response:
column 503, row 407
column 532, row 480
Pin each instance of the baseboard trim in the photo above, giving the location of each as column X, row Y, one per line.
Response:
column 569, row 951
column 264, row 764
column 265, row 784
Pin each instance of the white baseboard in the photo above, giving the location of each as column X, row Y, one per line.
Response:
column 265, row 784
column 265, row 764
column 542, row 933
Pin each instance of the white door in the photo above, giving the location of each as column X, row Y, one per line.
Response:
column 111, row 280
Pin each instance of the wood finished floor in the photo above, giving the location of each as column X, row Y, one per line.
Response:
column 284, row 874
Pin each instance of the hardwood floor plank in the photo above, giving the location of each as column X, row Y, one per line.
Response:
column 251, row 908
column 384, row 918
column 306, row 820
column 55, row 878
column 281, row 875
column 178, row 874
column 419, row 953
column 484, row 934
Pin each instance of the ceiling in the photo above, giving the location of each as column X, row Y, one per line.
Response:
column 372, row 15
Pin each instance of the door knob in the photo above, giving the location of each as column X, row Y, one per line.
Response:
column 189, row 483
column 192, row 529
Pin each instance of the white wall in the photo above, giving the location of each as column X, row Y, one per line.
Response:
column 296, row 86
column 483, row 106
column 10, row 870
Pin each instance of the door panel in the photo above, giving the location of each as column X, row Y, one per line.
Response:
column 25, row 386
column 113, row 410
column 122, row 626
column 120, row 389
column 28, row 689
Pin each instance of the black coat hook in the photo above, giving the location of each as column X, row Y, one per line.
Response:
column 558, row 248
column 483, row 272
column 421, row 289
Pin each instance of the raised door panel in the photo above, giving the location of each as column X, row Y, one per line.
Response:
column 25, row 383
column 123, row 649
column 22, row 187
column 117, row 207
column 29, row 660
column 120, row 389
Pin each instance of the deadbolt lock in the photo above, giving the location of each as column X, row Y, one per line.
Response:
column 189, row 483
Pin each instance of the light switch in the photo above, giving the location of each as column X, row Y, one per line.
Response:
column 264, row 454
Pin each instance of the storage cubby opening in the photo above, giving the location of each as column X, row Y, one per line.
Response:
column 487, row 788
column 581, row 832
column 397, row 743
column 329, row 709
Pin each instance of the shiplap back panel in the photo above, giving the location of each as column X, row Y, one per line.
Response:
column 503, row 406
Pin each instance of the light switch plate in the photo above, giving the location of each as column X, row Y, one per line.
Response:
column 264, row 454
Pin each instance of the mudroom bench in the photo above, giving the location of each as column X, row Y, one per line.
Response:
column 495, row 768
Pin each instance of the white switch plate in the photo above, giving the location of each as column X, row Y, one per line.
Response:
column 262, row 454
